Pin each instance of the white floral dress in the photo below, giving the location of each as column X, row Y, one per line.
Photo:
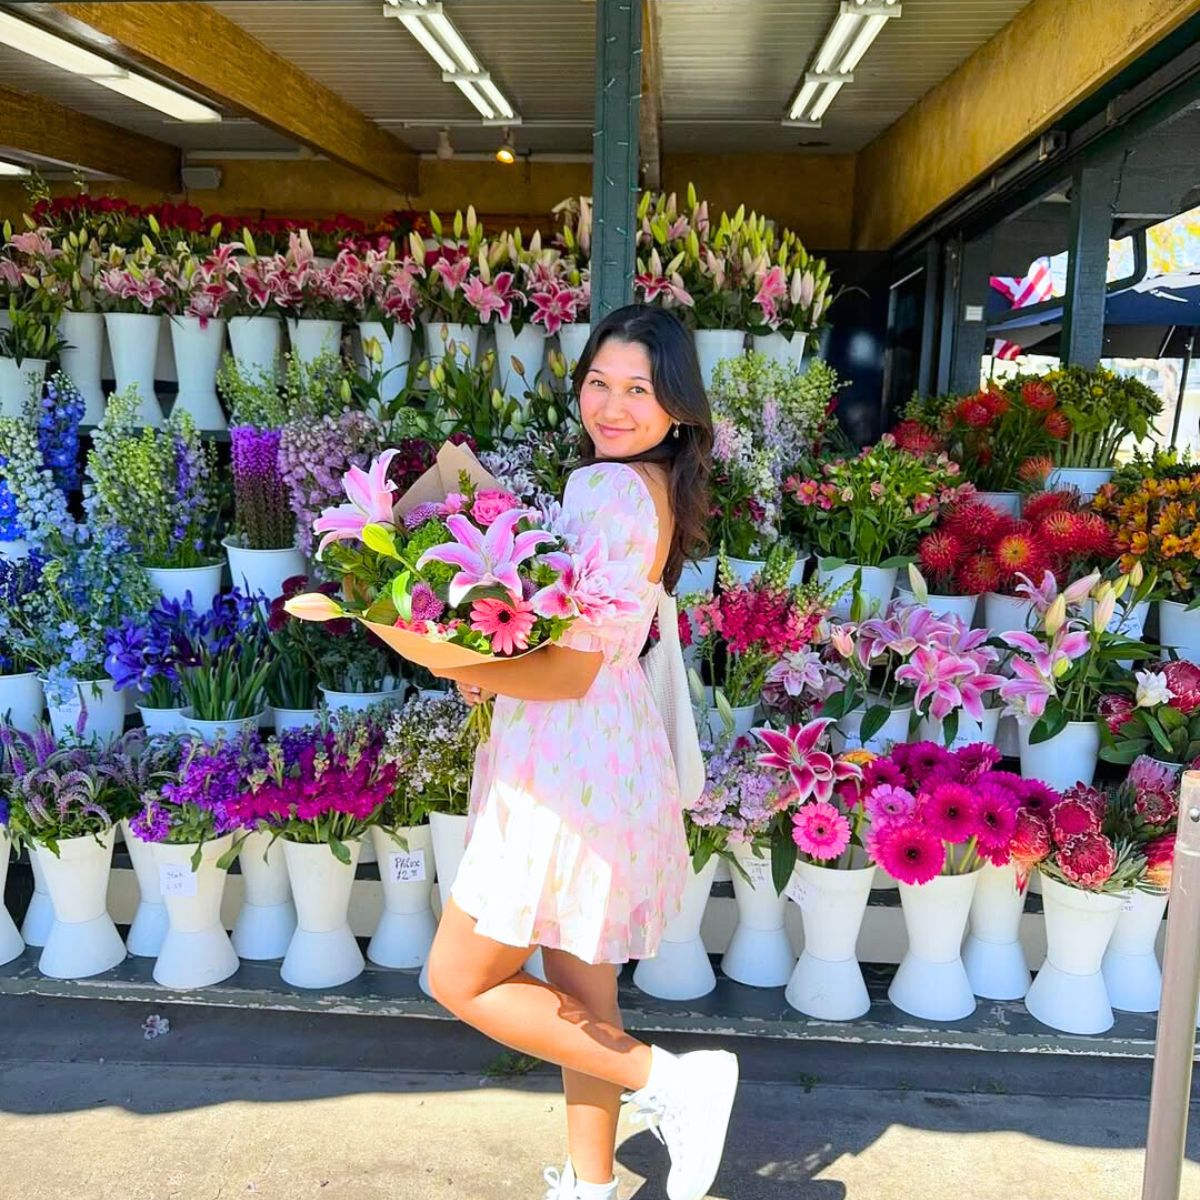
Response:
column 575, row 836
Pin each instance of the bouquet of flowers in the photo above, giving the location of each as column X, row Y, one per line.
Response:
column 324, row 785
column 454, row 292
column 200, row 286
column 36, row 296
column 228, row 679
column 1101, row 409
column 131, row 282
column 303, row 288
column 745, row 493
column 392, row 294
column 432, row 747
column 1155, row 713
column 872, row 509
column 149, row 653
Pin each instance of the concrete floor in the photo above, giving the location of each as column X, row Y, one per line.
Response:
column 282, row 1106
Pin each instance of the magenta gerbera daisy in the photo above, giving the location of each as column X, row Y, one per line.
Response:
column 820, row 830
column 910, row 853
column 976, row 760
column 921, row 759
column 997, row 820
column 1037, row 796
column 950, row 811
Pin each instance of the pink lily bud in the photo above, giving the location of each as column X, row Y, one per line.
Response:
column 314, row 606
column 1056, row 615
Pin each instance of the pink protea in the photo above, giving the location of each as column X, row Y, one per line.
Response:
column 1030, row 843
column 1183, row 678
column 951, row 811
column 1115, row 709
column 1071, row 817
column 1087, row 860
column 820, row 830
column 1149, row 775
column 1156, row 808
column 1160, row 859
column 909, row 852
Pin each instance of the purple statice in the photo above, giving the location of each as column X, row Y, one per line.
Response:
column 61, row 411
column 262, row 514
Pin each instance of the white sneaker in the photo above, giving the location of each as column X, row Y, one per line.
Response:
column 562, row 1183
column 686, row 1105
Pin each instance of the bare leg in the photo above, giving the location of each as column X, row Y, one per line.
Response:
column 593, row 1105
column 480, row 981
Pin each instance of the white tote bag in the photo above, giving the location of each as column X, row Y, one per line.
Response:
column 667, row 677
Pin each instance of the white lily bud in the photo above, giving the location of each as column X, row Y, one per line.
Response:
column 1056, row 615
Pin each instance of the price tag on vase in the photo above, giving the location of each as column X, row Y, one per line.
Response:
column 1127, row 902
column 759, row 870
column 176, row 879
column 799, row 891
column 406, row 866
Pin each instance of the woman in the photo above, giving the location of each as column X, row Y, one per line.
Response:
column 576, row 840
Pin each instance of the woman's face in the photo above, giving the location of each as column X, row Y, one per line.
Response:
column 618, row 406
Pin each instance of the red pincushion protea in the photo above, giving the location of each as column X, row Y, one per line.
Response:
column 1030, row 843
column 1038, row 394
column 916, row 439
column 975, row 411
column 1087, row 859
column 1059, row 530
column 1039, row 507
column 1019, row 553
column 1058, row 424
column 1036, row 470
column 940, row 552
column 977, row 574
column 1093, row 537
column 1183, row 678
column 974, row 523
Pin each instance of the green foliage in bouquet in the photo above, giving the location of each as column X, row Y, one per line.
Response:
column 1103, row 409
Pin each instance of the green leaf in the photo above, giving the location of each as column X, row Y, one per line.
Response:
column 340, row 851
column 1052, row 724
column 873, row 721
column 402, row 595
column 1123, row 754
column 831, row 563
column 382, row 611
column 783, row 859
column 895, row 562
column 950, row 728
column 1158, row 733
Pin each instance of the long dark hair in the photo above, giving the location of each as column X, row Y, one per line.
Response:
column 679, row 388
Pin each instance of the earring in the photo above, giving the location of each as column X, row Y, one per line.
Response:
column 676, row 428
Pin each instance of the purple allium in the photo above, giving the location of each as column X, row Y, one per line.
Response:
column 425, row 604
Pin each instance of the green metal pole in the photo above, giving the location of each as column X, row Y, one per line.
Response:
column 615, row 152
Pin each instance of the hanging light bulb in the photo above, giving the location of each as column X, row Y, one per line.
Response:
column 507, row 152
column 444, row 149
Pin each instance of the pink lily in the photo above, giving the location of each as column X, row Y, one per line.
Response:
column 553, row 307
column 936, row 678
column 453, row 274
column 772, row 289
column 489, row 299
column 1026, row 695
column 1066, row 645
column 370, row 494
column 972, row 688
column 486, row 559
column 813, row 772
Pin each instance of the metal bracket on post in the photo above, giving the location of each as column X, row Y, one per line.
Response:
column 1171, row 1084
column 615, row 153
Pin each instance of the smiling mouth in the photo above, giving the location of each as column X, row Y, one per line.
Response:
column 610, row 431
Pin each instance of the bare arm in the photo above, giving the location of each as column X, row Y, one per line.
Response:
column 552, row 673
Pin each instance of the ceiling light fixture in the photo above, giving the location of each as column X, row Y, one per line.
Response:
column 445, row 150
column 13, row 169
column 58, row 52
column 858, row 24
column 441, row 40
column 507, row 151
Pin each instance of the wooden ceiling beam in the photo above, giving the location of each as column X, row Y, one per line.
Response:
column 206, row 52
column 36, row 126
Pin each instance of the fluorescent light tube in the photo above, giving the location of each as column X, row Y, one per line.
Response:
column 805, row 94
column 825, row 99
column 835, row 39
column 56, row 51
column 862, row 43
column 469, row 90
column 10, row 169
column 496, row 98
column 454, row 43
column 417, row 27
column 154, row 95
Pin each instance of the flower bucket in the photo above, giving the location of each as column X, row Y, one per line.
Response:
column 176, row 582
column 312, row 339
column 39, row 915
column 464, row 337
column 448, row 839
column 1005, row 614
column 1068, row 758
column 198, row 348
column 779, row 348
column 745, row 569
column 267, row 919
column 828, row 982
column 931, row 981
column 197, row 951
column 162, row 720
column 1008, row 503
column 529, row 348
column 573, row 340
column 970, row 731
column 992, row 953
column 211, row 731
column 149, row 927
column 105, row 711
column 697, row 577
column 962, row 607
column 1131, row 622
column 1068, row 992
column 1087, row 481
column 256, row 344
column 1179, row 629
column 18, row 382
column 357, row 701
column 83, row 941
column 406, row 927
column 745, row 717
column 84, row 334
column 12, row 944
column 255, row 571
column 21, row 700
column 322, row 952
column 283, row 719
column 396, row 352
column 877, row 585
column 759, row 952
column 133, row 343
column 715, row 345
column 681, row 970
column 1130, row 967
column 14, row 549
column 845, row 733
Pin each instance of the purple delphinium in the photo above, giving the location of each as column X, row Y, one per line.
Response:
column 260, row 495
column 61, row 411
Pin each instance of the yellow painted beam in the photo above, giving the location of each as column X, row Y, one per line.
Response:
column 1051, row 56
column 35, row 125
column 198, row 47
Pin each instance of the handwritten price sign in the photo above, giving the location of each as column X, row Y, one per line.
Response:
column 406, row 866
column 176, row 879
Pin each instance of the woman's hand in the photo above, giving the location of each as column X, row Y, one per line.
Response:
column 473, row 694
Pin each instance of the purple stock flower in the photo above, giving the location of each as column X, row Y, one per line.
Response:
column 260, row 492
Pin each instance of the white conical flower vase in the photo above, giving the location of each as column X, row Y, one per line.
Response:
column 105, row 717
column 1067, row 758
column 448, row 839
column 83, row 941
column 322, row 952
column 149, row 927
column 133, row 343
column 992, row 953
column 312, row 339
column 177, row 583
column 12, row 944
column 198, row 348
column 84, row 335
column 395, row 354
column 439, row 334
column 827, row 981
column 759, row 953
column 573, row 340
column 39, row 913
column 529, row 348
column 406, row 927
column 19, row 382
column 931, row 981
column 256, row 343
column 874, row 584
column 267, row 919
column 1068, row 992
column 197, row 951
column 780, row 348
column 716, row 345
column 22, row 701
column 846, row 733
column 1130, row 967
column 681, row 969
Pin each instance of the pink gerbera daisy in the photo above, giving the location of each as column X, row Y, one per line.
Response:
column 887, row 803
column 507, row 622
column 950, row 811
column 997, row 809
column 820, row 830
column 909, row 852
column 977, row 759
